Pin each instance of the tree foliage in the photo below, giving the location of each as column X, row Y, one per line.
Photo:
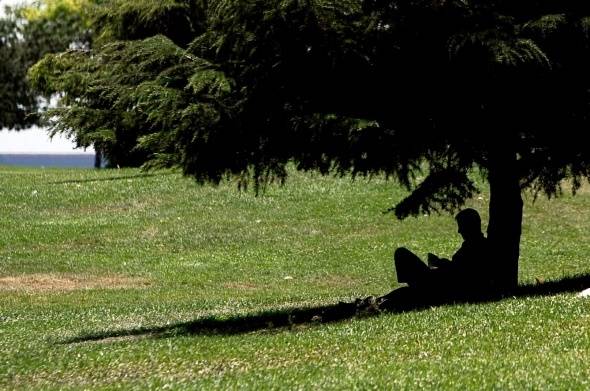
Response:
column 13, row 100
column 243, row 87
column 27, row 33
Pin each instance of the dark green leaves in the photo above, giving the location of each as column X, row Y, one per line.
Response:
column 241, row 88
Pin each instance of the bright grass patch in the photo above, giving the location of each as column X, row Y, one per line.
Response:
column 125, row 280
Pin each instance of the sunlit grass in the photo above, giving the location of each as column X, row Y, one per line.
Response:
column 186, row 253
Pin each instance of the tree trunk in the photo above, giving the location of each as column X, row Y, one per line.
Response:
column 505, row 216
column 97, row 158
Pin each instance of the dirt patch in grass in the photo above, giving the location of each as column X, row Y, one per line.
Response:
column 150, row 233
column 336, row 281
column 244, row 286
column 49, row 282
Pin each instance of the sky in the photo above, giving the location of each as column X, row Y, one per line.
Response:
column 9, row 2
column 34, row 140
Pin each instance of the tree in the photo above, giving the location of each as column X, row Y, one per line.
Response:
column 99, row 89
column 27, row 33
column 14, row 99
column 242, row 88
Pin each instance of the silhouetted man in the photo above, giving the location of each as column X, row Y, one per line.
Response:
column 467, row 272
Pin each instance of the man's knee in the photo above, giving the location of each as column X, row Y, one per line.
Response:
column 402, row 254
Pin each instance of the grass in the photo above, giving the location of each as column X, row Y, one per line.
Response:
column 121, row 280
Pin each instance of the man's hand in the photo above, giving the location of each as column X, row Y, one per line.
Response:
column 436, row 262
column 432, row 260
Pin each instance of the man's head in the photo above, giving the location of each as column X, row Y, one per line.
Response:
column 469, row 223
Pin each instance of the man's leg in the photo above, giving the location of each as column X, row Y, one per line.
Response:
column 409, row 268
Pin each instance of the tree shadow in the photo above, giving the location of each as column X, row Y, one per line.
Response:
column 303, row 317
column 112, row 178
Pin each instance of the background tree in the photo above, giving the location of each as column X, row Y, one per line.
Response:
column 104, row 100
column 15, row 101
column 242, row 88
column 27, row 33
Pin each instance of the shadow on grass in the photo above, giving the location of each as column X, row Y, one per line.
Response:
column 113, row 178
column 301, row 317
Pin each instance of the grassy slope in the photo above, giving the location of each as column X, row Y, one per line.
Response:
column 207, row 251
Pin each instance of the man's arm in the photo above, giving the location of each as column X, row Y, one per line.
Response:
column 435, row 261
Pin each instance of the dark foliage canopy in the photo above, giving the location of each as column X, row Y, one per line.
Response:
column 243, row 87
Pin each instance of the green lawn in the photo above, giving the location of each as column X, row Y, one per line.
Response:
column 125, row 280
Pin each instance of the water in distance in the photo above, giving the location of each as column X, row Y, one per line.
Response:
column 74, row 160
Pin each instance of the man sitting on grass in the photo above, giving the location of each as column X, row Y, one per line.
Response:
column 467, row 275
